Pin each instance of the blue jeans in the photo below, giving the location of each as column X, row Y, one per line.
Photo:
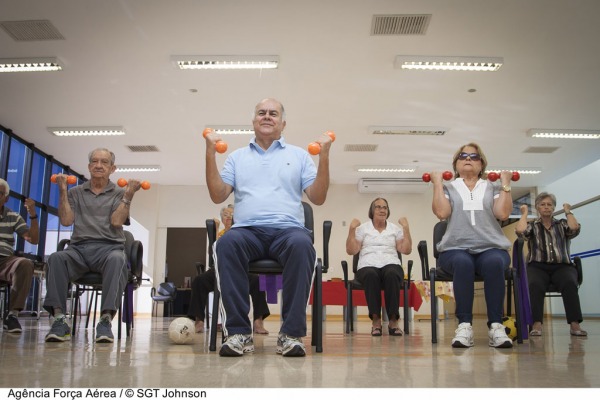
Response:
column 291, row 247
column 463, row 266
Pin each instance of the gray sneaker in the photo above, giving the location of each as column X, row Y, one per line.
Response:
column 104, row 331
column 12, row 325
column 60, row 331
column 290, row 346
column 236, row 345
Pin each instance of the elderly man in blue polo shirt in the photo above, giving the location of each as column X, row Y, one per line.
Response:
column 268, row 178
column 97, row 209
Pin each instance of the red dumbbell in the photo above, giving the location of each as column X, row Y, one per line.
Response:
column 314, row 148
column 494, row 176
column 71, row 179
column 122, row 182
column 447, row 175
column 220, row 146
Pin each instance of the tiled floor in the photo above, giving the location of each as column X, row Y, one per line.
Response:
column 148, row 359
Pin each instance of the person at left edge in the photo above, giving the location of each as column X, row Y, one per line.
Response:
column 17, row 271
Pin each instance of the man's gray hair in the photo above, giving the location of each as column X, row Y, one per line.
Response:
column 112, row 155
column 6, row 187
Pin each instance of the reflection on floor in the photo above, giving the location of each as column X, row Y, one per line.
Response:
column 148, row 359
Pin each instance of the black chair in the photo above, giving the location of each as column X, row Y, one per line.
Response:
column 551, row 290
column 5, row 294
column 272, row 267
column 354, row 284
column 434, row 274
column 166, row 294
column 92, row 282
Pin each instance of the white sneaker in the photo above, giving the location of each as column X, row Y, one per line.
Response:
column 290, row 346
column 463, row 336
column 498, row 337
column 237, row 345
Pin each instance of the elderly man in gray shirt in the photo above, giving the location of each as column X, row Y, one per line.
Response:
column 97, row 209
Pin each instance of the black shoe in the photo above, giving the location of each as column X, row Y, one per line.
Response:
column 11, row 324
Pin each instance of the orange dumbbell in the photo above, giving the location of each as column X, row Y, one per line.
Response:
column 71, row 179
column 122, row 182
column 220, row 146
column 314, row 148
column 447, row 175
column 494, row 176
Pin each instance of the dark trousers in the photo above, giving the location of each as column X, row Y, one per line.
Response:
column 374, row 280
column 564, row 278
column 291, row 247
column 204, row 283
column 17, row 271
column 463, row 266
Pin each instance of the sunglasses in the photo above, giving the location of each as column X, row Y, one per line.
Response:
column 472, row 156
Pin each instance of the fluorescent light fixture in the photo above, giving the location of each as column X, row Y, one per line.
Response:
column 384, row 168
column 457, row 63
column 232, row 129
column 138, row 168
column 408, row 130
column 522, row 171
column 563, row 133
column 46, row 64
column 226, row 62
column 88, row 131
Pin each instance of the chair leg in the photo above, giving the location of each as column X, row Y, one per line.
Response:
column 215, row 320
column 349, row 313
column 518, row 316
column 74, row 309
column 434, row 312
column 317, row 334
column 406, row 307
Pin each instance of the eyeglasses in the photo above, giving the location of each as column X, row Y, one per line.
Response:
column 381, row 208
column 472, row 156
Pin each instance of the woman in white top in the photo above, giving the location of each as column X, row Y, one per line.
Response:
column 379, row 267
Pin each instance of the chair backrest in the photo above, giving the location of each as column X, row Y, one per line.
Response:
column 167, row 289
column 135, row 255
column 211, row 231
column 438, row 233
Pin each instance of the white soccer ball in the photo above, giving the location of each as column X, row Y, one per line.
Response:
column 182, row 330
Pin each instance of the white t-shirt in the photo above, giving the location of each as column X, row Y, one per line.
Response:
column 378, row 248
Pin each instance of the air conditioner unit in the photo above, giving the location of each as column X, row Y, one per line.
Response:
column 391, row 185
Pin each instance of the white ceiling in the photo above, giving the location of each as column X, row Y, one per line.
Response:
column 333, row 75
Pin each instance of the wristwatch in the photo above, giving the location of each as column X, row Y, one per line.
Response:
column 506, row 188
column 568, row 213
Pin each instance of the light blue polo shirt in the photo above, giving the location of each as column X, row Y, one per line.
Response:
column 268, row 185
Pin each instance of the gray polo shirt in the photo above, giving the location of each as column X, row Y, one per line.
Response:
column 93, row 212
column 472, row 225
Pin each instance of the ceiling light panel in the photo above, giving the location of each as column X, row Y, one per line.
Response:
column 225, row 62
column 563, row 133
column 88, row 131
column 384, row 168
column 232, row 129
column 138, row 168
column 408, row 130
column 42, row 64
column 458, row 63
column 522, row 171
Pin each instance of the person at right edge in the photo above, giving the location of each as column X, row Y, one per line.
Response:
column 474, row 243
column 549, row 260
column 268, row 178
